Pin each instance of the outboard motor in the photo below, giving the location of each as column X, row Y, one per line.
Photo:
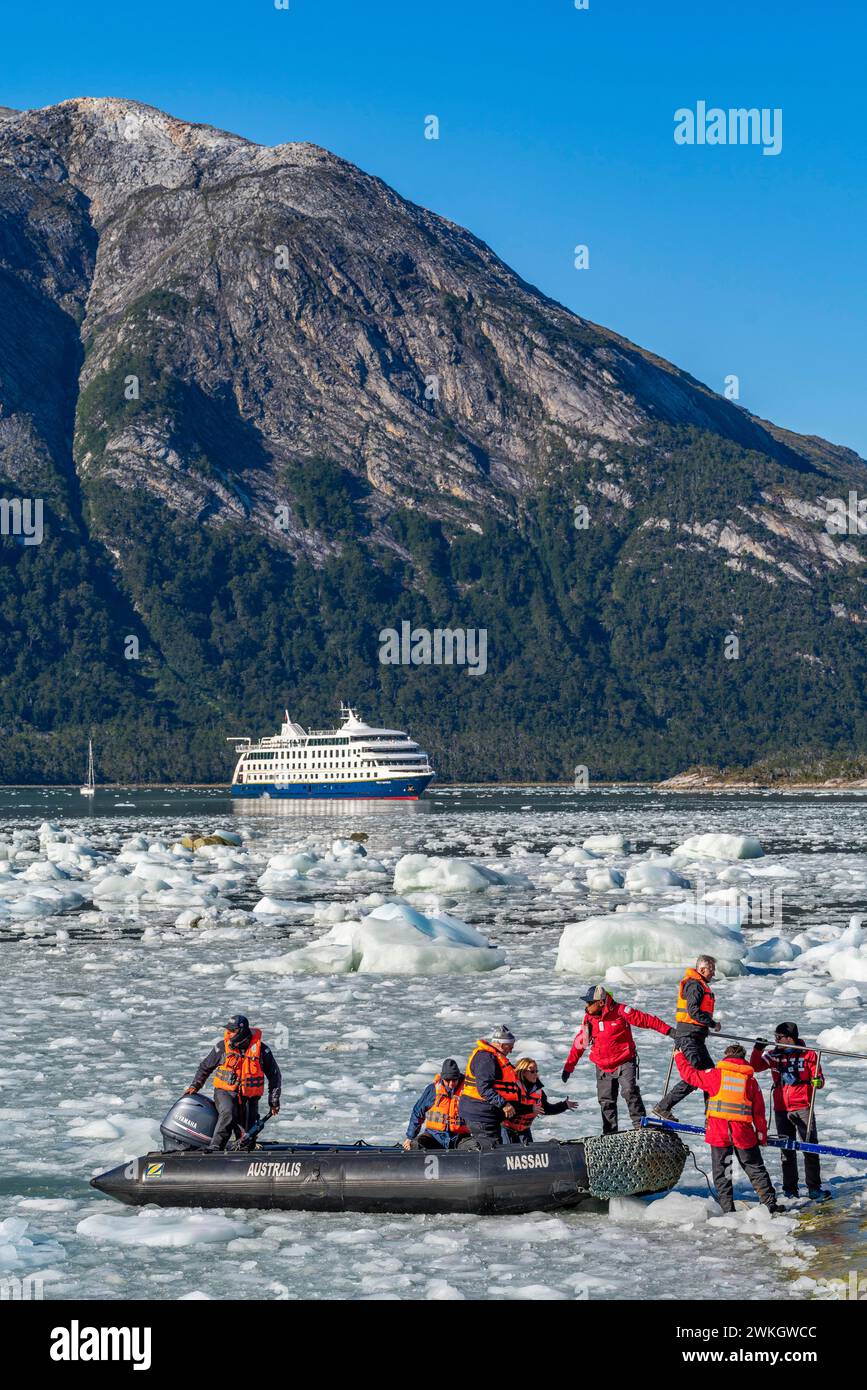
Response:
column 189, row 1124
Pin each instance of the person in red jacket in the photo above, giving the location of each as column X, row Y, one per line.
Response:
column 607, row 1028
column 735, row 1123
column 795, row 1072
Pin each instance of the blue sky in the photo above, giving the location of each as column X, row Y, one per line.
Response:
column 556, row 128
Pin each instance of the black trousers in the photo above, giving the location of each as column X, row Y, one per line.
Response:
column 609, row 1084
column 485, row 1124
column 694, row 1049
column 427, row 1141
column 792, row 1124
column 233, row 1115
column 510, row 1136
column 752, row 1164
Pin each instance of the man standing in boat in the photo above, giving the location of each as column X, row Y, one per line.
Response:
column 491, row 1088
column 243, row 1063
column 607, row 1030
column 693, row 1021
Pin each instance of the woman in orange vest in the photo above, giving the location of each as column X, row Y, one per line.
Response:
column 437, row 1109
column 491, row 1088
column 735, row 1123
column 242, row 1064
column 532, row 1101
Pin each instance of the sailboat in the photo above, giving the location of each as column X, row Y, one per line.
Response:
column 89, row 788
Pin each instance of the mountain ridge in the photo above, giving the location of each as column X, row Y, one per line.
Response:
column 336, row 393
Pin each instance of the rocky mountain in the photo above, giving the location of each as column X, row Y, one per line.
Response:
column 271, row 409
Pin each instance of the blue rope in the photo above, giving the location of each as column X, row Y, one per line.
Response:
column 773, row 1141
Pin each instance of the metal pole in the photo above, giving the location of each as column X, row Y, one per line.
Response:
column 651, row 1122
column 668, row 1077
column 796, row 1047
column 813, row 1090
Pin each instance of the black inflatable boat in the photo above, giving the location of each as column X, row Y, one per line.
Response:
column 369, row 1178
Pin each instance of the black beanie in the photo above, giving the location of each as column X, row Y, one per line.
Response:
column 790, row 1029
column 450, row 1070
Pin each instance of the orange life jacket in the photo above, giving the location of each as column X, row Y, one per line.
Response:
column 731, row 1102
column 506, row 1085
column 708, row 1001
column 529, row 1095
column 443, row 1114
column 241, row 1071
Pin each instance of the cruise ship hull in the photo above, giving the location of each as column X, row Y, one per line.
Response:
column 384, row 789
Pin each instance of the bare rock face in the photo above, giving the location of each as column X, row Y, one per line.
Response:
column 195, row 323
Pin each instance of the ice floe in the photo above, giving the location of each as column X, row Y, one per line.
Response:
column 713, row 846
column 394, row 939
column 422, row 872
column 594, row 945
column 162, row 1228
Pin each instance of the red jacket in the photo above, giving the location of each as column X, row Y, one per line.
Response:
column 792, row 1074
column 610, row 1036
column 720, row 1134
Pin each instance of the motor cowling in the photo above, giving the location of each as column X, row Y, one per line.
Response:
column 189, row 1124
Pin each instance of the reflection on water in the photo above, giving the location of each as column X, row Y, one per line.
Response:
column 316, row 806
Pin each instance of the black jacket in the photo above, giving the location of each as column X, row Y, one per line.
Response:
column 216, row 1057
column 486, row 1070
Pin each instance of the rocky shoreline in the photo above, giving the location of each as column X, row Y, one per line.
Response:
column 712, row 780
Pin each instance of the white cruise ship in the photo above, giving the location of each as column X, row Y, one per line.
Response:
column 356, row 760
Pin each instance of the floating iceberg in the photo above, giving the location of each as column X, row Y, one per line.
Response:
column 590, row 947
column 573, row 854
column 844, row 957
column 773, row 951
column 20, row 1251
column 603, row 880
column 845, row 1039
column 850, row 964
column 394, row 939
column 713, row 846
column 163, row 1228
column 416, row 872
column 651, row 877
column 606, row 844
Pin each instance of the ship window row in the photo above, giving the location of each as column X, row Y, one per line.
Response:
column 293, row 777
column 319, row 762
